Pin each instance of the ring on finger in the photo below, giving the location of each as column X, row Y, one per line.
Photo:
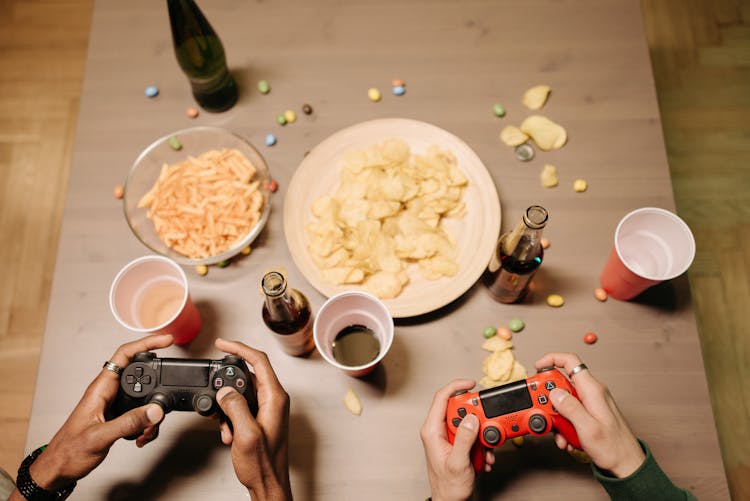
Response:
column 113, row 367
column 578, row 368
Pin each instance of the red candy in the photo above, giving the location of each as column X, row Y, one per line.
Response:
column 590, row 338
column 273, row 186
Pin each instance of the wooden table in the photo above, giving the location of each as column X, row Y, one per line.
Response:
column 457, row 58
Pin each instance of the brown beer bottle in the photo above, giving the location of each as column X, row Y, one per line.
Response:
column 287, row 313
column 516, row 258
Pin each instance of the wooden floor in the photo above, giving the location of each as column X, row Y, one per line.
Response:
column 700, row 51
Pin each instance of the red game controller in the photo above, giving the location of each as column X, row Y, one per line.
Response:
column 512, row 410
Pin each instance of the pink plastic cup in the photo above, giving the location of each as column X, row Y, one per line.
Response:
column 651, row 245
column 150, row 295
column 352, row 308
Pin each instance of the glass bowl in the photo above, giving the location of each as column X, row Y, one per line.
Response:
column 146, row 170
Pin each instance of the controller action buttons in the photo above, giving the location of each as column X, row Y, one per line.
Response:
column 491, row 435
column 456, row 421
column 230, row 372
column 461, row 412
column 537, row 423
column 550, row 385
column 218, row 382
column 542, row 399
column 240, row 383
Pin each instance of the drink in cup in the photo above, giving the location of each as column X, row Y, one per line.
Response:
column 353, row 331
column 150, row 295
column 651, row 245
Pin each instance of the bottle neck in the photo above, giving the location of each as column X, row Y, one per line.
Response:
column 524, row 242
column 279, row 302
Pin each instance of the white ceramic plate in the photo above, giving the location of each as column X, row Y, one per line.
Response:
column 475, row 234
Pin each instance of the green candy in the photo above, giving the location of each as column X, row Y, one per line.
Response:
column 223, row 264
column 281, row 119
column 516, row 324
column 175, row 143
column 498, row 109
column 264, row 87
column 489, row 331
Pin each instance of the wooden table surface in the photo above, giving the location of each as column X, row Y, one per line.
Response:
column 457, row 58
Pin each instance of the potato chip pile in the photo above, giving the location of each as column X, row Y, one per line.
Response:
column 501, row 366
column 385, row 215
column 202, row 206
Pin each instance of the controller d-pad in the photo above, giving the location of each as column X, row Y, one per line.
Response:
column 549, row 385
column 138, row 371
column 137, row 387
column 491, row 435
column 130, row 379
column 456, row 421
column 462, row 412
column 537, row 423
column 146, row 379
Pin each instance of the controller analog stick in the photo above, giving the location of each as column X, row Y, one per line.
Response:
column 537, row 423
column 491, row 435
column 163, row 400
column 203, row 403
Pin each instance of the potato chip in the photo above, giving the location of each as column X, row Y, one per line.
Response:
column 496, row 343
column 546, row 134
column 513, row 136
column 549, row 176
column 500, row 365
column 535, row 97
column 352, row 402
column 385, row 216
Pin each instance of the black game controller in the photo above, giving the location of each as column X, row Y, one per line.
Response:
column 181, row 384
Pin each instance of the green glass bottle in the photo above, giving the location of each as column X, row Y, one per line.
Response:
column 201, row 56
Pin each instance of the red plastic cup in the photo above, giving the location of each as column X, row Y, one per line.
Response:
column 352, row 308
column 150, row 295
column 651, row 245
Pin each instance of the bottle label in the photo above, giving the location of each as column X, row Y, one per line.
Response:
column 300, row 342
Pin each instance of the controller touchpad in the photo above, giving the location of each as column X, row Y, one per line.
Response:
column 502, row 400
column 178, row 374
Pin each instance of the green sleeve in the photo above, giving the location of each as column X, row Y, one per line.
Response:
column 646, row 483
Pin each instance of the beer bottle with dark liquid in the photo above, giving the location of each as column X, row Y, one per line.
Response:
column 287, row 313
column 517, row 256
column 201, row 56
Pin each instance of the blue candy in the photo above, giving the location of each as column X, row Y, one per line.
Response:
column 152, row 91
column 270, row 139
column 399, row 90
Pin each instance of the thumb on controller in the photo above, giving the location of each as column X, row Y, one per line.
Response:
column 466, row 434
column 131, row 424
column 571, row 408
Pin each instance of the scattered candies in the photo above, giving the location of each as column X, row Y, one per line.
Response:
column 489, row 331
column 580, row 185
column 264, row 87
column 373, row 94
column 281, row 118
column 516, row 324
column 517, row 441
column 545, row 243
column 152, row 91
column 223, row 264
column 600, row 294
column 524, row 152
column 175, row 143
column 119, row 191
column 590, row 338
column 498, row 109
column 290, row 116
column 504, row 333
column 273, row 186
column 270, row 139
column 191, row 112
column 201, row 269
column 397, row 82
column 399, row 90
column 247, row 250
column 306, row 109
column 555, row 300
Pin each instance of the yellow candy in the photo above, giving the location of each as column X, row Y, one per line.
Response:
column 580, row 185
column 555, row 300
column 290, row 116
column 246, row 251
column 201, row 269
column 545, row 243
column 517, row 441
column 373, row 94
